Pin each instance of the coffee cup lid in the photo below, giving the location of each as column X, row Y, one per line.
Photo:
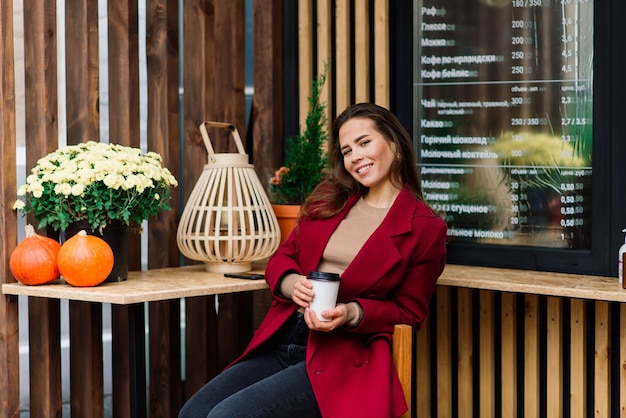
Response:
column 322, row 275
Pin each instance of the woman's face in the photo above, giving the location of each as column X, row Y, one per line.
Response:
column 367, row 155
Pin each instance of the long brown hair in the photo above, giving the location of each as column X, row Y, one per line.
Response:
column 331, row 195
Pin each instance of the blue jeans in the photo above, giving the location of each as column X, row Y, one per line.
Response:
column 271, row 383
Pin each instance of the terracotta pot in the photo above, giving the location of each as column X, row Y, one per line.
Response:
column 286, row 215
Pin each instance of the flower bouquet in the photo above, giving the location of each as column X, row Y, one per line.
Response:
column 96, row 182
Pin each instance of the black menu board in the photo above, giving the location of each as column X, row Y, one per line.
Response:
column 504, row 93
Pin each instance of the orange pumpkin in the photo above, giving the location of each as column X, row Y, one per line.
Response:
column 85, row 260
column 34, row 260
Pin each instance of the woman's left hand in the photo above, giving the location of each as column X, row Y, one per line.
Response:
column 338, row 316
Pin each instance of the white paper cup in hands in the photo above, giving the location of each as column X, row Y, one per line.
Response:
column 326, row 287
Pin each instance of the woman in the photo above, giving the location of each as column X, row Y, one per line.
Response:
column 368, row 222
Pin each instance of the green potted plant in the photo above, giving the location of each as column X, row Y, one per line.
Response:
column 305, row 161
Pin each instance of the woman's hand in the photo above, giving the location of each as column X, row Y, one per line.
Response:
column 343, row 314
column 297, row 288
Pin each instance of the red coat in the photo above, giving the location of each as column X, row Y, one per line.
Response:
column 392, row 277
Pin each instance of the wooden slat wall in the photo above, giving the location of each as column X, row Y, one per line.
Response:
column 527, row 351
column 342, row 31
column 214, row 87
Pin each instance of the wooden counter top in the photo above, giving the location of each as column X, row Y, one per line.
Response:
column 534, row 282
column 180, row 282
column 143, row 286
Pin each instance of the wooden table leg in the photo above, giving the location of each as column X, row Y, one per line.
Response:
column 86, row 376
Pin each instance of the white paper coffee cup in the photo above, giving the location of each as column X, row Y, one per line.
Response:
column 325, row 287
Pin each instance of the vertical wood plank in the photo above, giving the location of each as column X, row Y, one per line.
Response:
column 40, row 65
column 268, row 92
column 200, row 317
column 422, row 364
column 162, row 248
column 123, row 60
column 444, row 353
column 578, row 374
column 305, row 56
column 487, row 358
column 9, row 324
column 554, row 371
column 602, row 375
column 465, row 352
column 86, row 374
column 198, row 52
column 82, row 64
column 622, row 359
column 381, row 48
column 41, row 112
column 201, row 355
column 229, row 67
column 229, row 106
column 44, row 357
column 343, row 54
column 123, row 70
column 164, row 341
column 324, row 54
column 235, row 312
column 508, row 374
column 164, row 317
column 128, row 345
column 531, row 355
column 83, row 121
column 361, row 51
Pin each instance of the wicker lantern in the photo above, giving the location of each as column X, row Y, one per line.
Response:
column 228, row 221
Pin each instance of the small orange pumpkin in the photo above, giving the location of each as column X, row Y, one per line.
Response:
column 34, row 260
column 85, row 260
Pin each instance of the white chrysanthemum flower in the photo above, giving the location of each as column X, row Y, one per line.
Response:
column 32, row 178
column 64, row 188
column 36, row 189
column 21, row 191
column 113, row 180
column 78, row 189
column 18, row 205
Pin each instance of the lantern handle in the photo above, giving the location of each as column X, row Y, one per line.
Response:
column 223, row 125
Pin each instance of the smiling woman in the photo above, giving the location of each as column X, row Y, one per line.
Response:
column 389, row 258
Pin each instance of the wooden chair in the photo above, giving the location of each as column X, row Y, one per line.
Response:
column 402, row 357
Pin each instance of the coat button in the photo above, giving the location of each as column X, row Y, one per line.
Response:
column 358, row 362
